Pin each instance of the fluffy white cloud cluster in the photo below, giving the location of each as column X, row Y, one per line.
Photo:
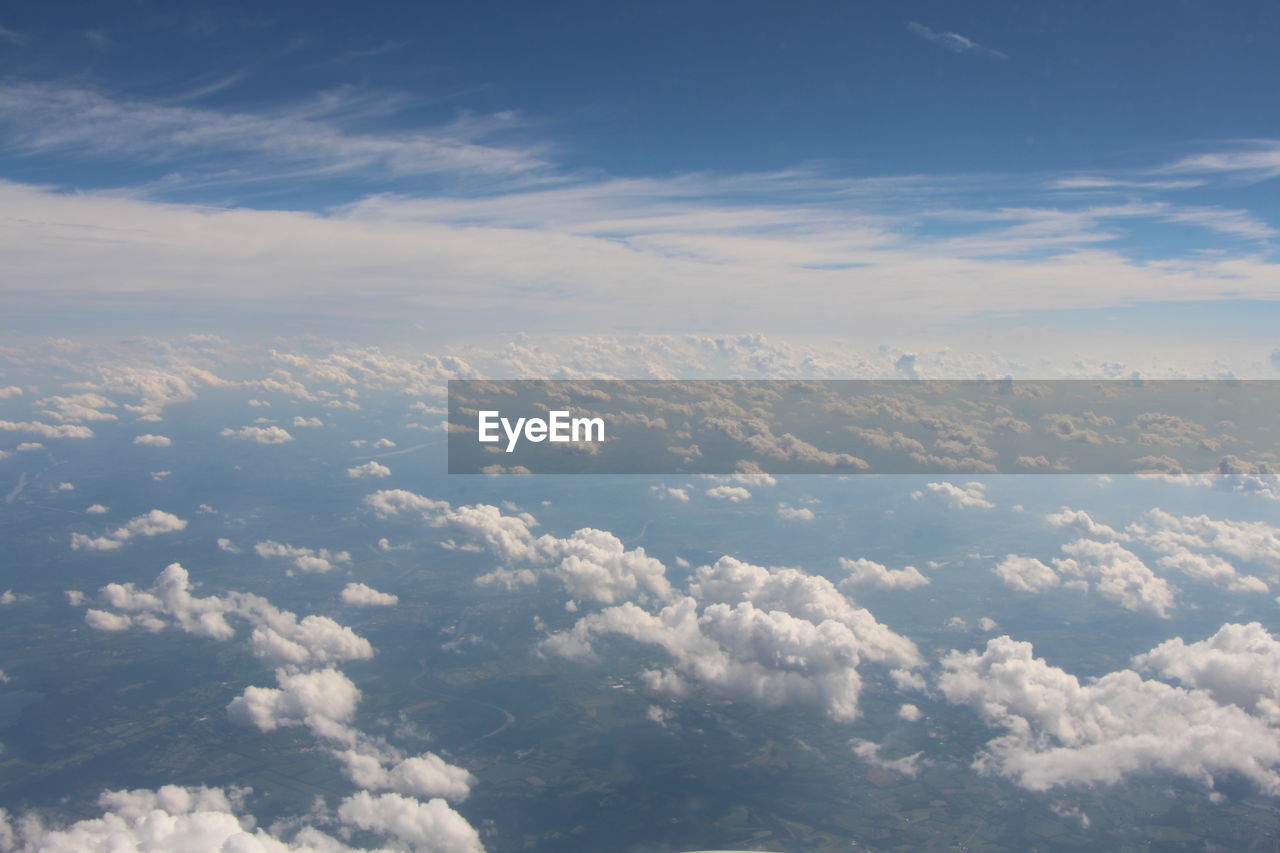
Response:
column 363, row 595
column 1179, row 538
column 969, row 495
column 306, row 559
column 324, row 701
column 870, row 573
column 1240, row 665
column 592, row 564
column 214, row 820
column 261, row 435
column 150, row 440
column 47, row 430
column 278, row 636
column 1115, row 572
column 1118, row 575
column 77, row 407
column 770, row 636
column 733, row 494
column 1062, row 732
column 369, row 469
column 149, row 524
column 868, row 751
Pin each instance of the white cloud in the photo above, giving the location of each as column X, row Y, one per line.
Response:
column 366, row 596
column 733, row 494
column 589, row 563
column 426, row 775
column 47, row 430
column 228, row 546
column 96, row 509
column 262, row 435
column 152, row 440
column 323, row 700
column 791, row 513
column 1081, row 523
column 769, row 636
column 1026, row 573
column 431, row 827
column 1252, row 541
column 204, row 820
column 1060, row 732
column 909, row 712
column 954, row 42
column 1117, row 574
column 669, row 493
column 957, row 497
column 870, row 573
column 908, row 765
column 152, row 523
column 1239, row 665
column 277, row 635
column 309, row 139
column 79, row 407
column 306, row 559
column 369, row 469
column 301, row 422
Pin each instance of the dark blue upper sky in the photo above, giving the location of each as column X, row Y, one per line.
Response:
column 659, row 87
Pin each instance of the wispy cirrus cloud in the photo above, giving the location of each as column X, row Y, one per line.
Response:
column 320, row 136
column 954, row 42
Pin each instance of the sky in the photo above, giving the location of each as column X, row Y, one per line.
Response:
column 912, row 171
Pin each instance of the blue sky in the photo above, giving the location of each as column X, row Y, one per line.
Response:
column 757, row 166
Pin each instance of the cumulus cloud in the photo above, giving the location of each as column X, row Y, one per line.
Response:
column 733, row 494
column 791, row 513
column 1060, row 732
column 590, row 563
column 1026, row 573
column 261, row 435
column 769, row 636
column 306, row 559
column 277, row 636
column 1249, row 541
column 1081, row 523
column 78, row 407
column 431, row 827
column 149, row 440
column 96, row 509
column 324, row 701
column 366, row 596
column 957, row 497
column 1117, row 574
column 152, row 523
column 907, row 765
column 1239, row 665
column 204, row 820
column 369, row 469
column 47, row 430
column 669, row 493
column 865, row 572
